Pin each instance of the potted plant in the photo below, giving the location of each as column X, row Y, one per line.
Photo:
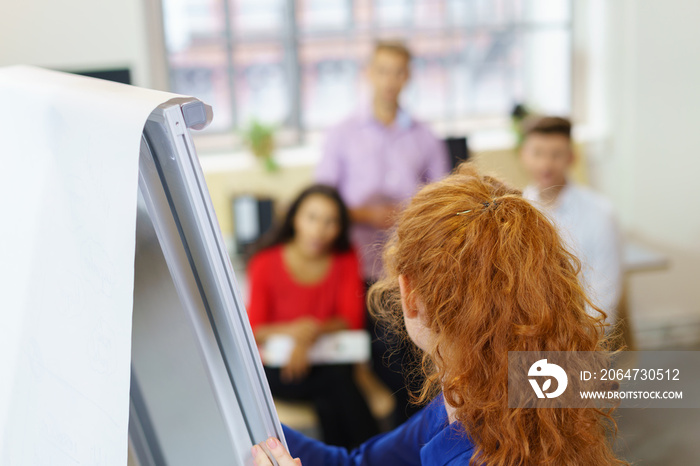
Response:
column 518, row 115
column 260, row 139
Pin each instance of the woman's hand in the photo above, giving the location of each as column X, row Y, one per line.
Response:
column 278, row 452
column 298, row 366
column 305, row 330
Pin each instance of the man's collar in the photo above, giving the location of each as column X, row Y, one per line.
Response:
column 402, row 120
column 533, row 192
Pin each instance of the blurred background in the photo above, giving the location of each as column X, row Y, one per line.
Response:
column 626, row 71
column 282, row 61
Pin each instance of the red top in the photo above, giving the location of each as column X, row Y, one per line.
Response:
column 275, row 295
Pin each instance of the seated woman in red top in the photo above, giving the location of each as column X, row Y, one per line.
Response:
column 305, row 282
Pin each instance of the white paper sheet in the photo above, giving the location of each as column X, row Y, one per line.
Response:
column 342, row 347
column 69, row 149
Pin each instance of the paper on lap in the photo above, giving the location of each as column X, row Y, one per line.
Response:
column 343, row 347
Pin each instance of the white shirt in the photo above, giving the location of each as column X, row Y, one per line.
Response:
column 588, row 226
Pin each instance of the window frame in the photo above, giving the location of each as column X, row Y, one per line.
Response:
column 293, row 132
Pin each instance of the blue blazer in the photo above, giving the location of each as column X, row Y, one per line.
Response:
column 426, row 439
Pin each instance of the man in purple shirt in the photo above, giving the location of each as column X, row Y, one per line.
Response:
column 377, row 159
column 379, row 156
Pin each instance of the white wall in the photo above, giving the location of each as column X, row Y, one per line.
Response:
column 76, row 35
column 661, row 118
column 649, row 163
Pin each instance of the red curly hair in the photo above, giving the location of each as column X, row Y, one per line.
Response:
column 494, row 276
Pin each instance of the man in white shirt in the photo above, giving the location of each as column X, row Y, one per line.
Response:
column 585, row 219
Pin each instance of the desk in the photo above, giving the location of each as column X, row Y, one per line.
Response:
column 637, row 257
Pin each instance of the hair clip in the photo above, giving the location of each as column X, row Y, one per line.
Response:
column 486, row 205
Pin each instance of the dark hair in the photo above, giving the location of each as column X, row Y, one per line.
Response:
column 547, row 125
column 284, row 232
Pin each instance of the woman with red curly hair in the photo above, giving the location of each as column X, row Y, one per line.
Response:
column 475, row 271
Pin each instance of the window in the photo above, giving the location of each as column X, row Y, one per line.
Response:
column 299, row 64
